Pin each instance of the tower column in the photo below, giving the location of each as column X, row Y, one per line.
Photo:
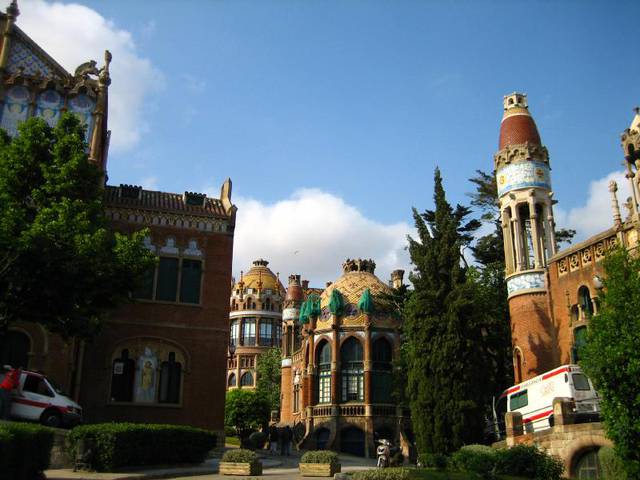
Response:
column 533, row 218
column 508, row 243
column 517, row 237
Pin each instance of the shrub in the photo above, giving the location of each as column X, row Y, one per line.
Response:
column 433, row 460
column 25, row 450
column 257, row 440
column 383, row 474
column 611, row 464
column 116, row 445
column 478, row 459
column 240, row 455
column 230, row 431
column 319, row 456
column 530, row 462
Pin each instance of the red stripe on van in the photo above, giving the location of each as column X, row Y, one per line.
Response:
column 537, row 416
column 554, row 373
column 31, row 403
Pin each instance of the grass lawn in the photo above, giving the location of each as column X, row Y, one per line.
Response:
column 428, row 474
column 235, row 441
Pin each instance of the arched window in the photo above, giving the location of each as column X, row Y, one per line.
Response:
column 14, row 349
column 322, row 438
column 382, row 379
column 584, row 297
column 323, row 361
column 246, row 380
column 528, row 255
column 170, row 377
column 587, row 465
column 232, row 380
column 352, row 370
column 122, row 374
column 267, row 305
column 518, row 365
column 352, row 441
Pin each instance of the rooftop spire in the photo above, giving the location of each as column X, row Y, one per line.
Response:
column 13, row 10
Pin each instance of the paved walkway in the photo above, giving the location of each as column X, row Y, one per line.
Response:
column 274, row 467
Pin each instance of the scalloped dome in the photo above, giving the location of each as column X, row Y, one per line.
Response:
column 352, row 285
column 260, row 272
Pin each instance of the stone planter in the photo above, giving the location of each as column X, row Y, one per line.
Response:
column 246, row 469
column 319, row 469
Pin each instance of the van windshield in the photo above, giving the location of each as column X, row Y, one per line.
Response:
column 580, row 381
column 518, row 400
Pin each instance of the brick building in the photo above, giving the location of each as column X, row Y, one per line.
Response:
column 338, row 347
column 552, row 294
column 161, row 357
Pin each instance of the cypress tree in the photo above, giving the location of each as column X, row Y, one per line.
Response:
column 448, row 363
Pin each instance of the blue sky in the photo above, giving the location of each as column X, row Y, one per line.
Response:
column 354, row 103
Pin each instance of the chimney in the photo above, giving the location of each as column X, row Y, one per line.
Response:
column 305, row 284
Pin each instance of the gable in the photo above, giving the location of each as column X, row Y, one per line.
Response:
column 26, row 56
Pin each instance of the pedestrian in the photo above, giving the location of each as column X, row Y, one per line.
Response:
column 273, row 439
column 10, row 382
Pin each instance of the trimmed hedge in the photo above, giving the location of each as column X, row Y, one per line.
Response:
column 433, row 460
column 240, row 455
column 478, row 459
column 115, row 445
column 383, row 474
column 257, row 440
column 25, row 450
column 529, row 461
column 319, row 456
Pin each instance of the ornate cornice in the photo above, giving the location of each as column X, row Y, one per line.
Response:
column 521, row 153
column 152, row 219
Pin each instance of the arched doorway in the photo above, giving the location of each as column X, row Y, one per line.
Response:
column 14, row 349
column 352, row 441
column 587, row 465
column 322, row 438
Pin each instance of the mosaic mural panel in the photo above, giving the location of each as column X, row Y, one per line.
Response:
column 49, row 107
column 523, row 175
column 22, row 57
column 525, row 281
column 82, row 106
column 15, row 110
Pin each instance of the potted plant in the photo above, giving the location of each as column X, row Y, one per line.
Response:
column 240, row 462
column 319, row 463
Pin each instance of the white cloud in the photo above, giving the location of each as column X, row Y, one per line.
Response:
column 72, row 34
column 595, row 215
column 311, row 233
column 149, row 183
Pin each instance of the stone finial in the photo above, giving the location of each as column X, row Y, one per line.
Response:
column 359, row 265
column 13, row 10
column 615, row 206
column 294, row 279
column 396, row 278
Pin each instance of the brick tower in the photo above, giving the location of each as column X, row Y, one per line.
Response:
column 524, row 189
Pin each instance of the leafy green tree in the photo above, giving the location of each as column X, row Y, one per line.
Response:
column 268, row 371
column 448, row 361
column 246, row 411
column 60, row 263
column 611, row 356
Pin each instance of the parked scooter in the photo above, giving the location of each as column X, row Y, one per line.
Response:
column 384, row 453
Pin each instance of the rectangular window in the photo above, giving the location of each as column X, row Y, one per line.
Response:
column 324, row 384
column 266, row 330
column 145, row 288
column 190, row 281
column 353, row 382
column 235, row 332
column 580, row 381
column 249, row 331
column 296, row 398
column 167, row 287
column 382, row 387
column 518, row 400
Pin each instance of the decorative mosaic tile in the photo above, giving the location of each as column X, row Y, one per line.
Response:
column 523, row 175
column 82, row 106
column 15, row 110
column 525, row 281
column 21, row 56
column 49, row 106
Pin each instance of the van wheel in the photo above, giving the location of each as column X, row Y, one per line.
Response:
column 51, row 418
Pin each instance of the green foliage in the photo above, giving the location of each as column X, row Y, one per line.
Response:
column 25, row 450
column 448, row 336
column 611, row 357
column 365, row 304
column 336, row 303
column 257, row 440
column 611, row 465
column 383, row 474
column 269, row 371
column 319, row 456
column 529, row 461
column 52, row 226
column 478, row 459
column 239, row 455
column 246, row 410
column 115, row 445
column 433, row 460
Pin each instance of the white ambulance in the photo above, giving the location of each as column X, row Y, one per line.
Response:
column 42, row 401
column 534, row 398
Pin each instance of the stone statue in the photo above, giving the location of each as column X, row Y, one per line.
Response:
column 87, row 68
